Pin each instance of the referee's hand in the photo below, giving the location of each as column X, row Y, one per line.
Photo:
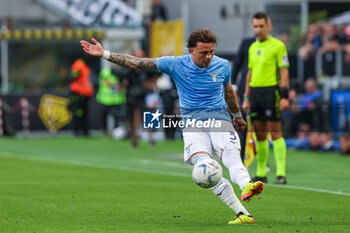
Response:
column 246, row 106
column 284, row 104
column 240, row 124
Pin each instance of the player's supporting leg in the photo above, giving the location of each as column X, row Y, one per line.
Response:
column 224, row 191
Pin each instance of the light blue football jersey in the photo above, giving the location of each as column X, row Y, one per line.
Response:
column 199, row 88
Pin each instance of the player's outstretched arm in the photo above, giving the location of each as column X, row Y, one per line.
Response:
column 125, row 60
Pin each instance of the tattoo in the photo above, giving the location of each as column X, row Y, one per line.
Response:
column 133, row 62
column 231, row 99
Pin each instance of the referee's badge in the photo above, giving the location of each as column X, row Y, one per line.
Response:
column 285, row 60
column 214, row 76
column 259, row 52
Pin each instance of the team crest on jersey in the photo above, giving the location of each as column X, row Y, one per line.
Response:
column 214, row 76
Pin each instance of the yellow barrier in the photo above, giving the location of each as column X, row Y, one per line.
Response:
column 50, row 34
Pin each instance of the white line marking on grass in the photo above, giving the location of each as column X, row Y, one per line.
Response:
column 90, row 164
column 159, row 162
column 309, row 189
column 92, row 183
column 127, row 168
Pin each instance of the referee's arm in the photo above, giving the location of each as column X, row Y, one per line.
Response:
column 246, row 104
column 284, row 74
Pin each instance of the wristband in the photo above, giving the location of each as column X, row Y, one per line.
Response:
column 245, row 98
column 237, row 114
column 284, row 92
column 106, row 54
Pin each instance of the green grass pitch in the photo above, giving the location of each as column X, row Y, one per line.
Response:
column 68, row 184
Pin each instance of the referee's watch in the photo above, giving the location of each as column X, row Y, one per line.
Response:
column 284, row 92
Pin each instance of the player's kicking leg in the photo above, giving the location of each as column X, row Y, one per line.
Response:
column 224, row 191
column 197, row 147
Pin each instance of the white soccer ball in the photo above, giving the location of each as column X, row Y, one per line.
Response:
column 207, row 173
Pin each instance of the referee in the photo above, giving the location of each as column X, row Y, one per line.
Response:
column 266, row 96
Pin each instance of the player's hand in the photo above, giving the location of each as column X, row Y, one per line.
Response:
column 246, row 106
column 284, row 104
column 240, row 123
column 92, row 49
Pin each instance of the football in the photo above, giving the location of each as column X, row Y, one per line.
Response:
column 207, row 173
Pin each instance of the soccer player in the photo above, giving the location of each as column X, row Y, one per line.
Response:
column 266, row 96
column 203, row 82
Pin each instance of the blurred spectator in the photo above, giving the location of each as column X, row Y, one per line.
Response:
column 240, row 65
column 314, row 141
column 311, row 41
column 330, row 39
column 304, row 131
column 342, row 37
column 330, row 43
column 309, row 142
column 169, row 97
column 152, row 100
column 328, row 143
column 346, row 47
column 321, row 141
column 135, row 98
column 158, row 11
column 111, row 95
column 345, row 143
column 308, row 109
column 284, row 37
column 81, row 91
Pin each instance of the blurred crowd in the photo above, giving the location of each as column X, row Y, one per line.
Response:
column 307, row 124
column 325, row 39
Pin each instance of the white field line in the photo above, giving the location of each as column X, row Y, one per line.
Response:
column 90, row 164
column 309, row 189
column 127, row 168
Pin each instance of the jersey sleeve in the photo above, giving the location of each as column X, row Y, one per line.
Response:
column 227, row 73
column 165, row 64
column 282, row 56
column 249, row 58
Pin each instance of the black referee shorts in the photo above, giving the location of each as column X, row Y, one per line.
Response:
column 265, row 103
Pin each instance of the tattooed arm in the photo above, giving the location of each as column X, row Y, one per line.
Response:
column 133, row 62
column 129, row 61
column 231, row 100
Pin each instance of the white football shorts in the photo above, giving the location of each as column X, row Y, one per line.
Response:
column 206, row 140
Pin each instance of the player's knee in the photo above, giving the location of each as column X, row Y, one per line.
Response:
column 230, row 154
